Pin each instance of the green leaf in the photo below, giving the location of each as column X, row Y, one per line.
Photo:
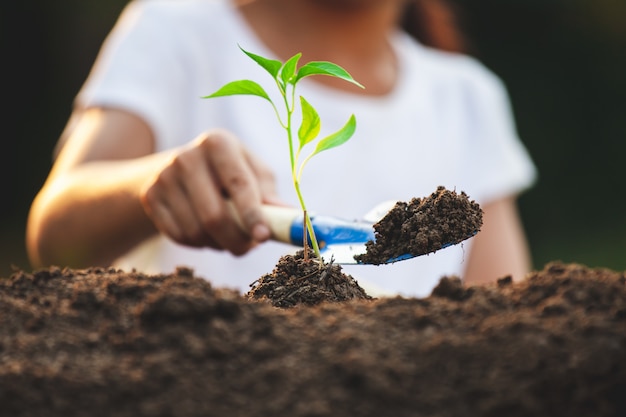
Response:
column 325, row 68
column 288, row 71
column 241, row 87
column 338, row 138
column 310, row 127
column 270, row 65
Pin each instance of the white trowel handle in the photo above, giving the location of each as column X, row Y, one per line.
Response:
column 280, row 220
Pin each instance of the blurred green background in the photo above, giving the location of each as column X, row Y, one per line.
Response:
column 564, row 62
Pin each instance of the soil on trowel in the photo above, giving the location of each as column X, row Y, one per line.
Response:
column 296, row 281
column 422, row 226
column 109, row 343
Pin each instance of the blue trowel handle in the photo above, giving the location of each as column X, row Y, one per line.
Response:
column 286, row 225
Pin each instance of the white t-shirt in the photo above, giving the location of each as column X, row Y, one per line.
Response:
column 447, row 122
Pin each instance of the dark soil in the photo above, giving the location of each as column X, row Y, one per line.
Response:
column 104, row 342
column 296, row 281
column 422, row 226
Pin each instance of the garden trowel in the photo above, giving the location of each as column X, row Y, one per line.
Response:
column 341, row 240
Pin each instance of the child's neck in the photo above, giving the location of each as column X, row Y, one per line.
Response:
column 353, row 36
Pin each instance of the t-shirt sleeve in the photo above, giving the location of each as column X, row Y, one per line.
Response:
column 498, row 163
column 137, row 70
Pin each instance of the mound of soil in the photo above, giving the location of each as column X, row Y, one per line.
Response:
column 104, row 342
column 296, row 281
column 422, row 226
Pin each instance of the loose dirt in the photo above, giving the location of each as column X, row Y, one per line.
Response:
column 295, row 281
column 422, row 226
column 104, row 342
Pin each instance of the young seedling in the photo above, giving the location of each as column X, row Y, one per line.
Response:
column 287, row 75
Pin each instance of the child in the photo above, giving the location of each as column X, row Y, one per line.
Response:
column 145, row 166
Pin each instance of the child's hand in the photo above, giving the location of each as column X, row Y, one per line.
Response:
column 187, row 199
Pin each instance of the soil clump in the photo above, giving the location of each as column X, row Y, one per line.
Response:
column 422, row 226
column 295, row 281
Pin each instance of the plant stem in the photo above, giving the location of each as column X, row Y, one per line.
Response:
column 290, row 106
column 287, row 126
column 307, row 222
